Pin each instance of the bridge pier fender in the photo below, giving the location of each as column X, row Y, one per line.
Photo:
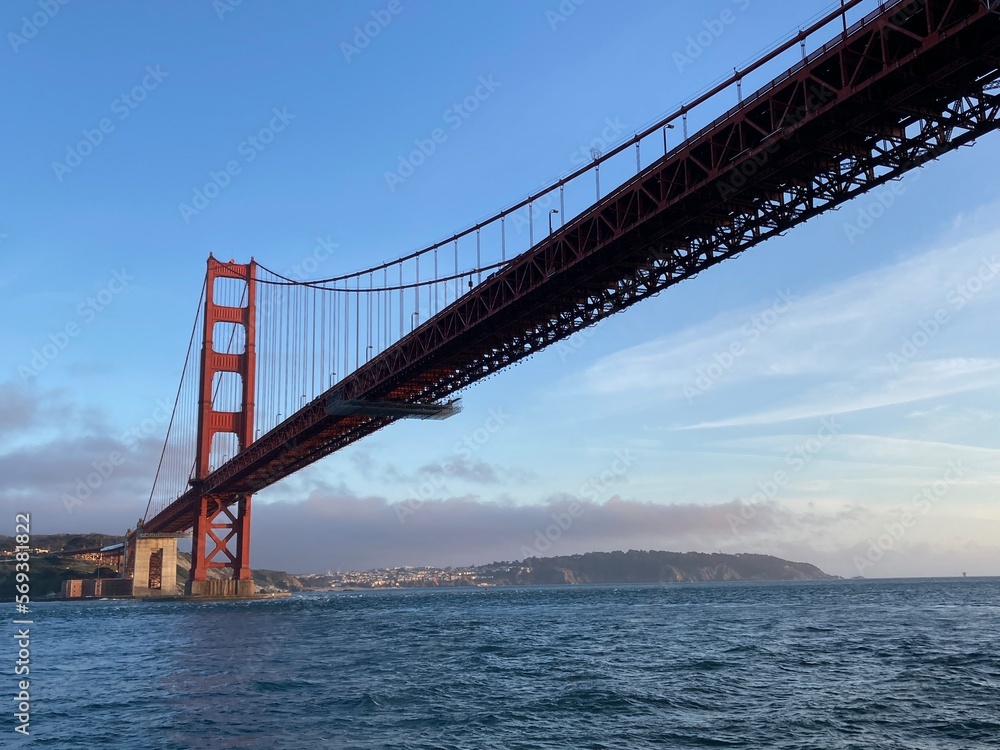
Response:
column 220, row 587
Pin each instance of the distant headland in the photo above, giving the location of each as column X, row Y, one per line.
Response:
column 54, row 559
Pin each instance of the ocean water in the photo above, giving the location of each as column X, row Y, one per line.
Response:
column 840, row 664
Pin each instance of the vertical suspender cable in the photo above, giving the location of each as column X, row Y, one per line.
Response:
column 357, row 324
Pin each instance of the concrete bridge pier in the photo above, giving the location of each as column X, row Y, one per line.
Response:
column 155, row 565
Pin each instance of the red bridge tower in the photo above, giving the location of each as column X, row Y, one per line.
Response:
column 221, row 536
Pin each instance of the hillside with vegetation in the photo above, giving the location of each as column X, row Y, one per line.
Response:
column 638, row 566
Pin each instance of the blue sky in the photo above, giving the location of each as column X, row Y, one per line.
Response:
column 644, row 421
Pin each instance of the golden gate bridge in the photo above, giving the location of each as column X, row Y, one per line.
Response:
column 282, row 372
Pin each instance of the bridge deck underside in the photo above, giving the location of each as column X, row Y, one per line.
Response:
column 900, row 91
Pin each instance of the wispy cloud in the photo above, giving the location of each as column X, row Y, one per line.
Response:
column 869, row 449
column 875, row 388
column 454, row 467
column 833, row 351
column 50, row 450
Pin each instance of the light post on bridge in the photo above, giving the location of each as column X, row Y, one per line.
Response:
column 595, row 154
column 668, row 126
column 553, row 211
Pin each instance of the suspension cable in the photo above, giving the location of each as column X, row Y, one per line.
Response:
column 177, row 398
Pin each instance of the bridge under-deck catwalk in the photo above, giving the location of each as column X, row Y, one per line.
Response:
column 907, row 83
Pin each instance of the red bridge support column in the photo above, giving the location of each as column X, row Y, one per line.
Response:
column 221, row 536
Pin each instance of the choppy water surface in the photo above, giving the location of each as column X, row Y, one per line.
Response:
column 845, row 664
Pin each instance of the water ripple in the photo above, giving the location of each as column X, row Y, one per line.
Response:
column 843, row 664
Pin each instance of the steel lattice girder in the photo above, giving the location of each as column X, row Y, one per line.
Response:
column 901, row 90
